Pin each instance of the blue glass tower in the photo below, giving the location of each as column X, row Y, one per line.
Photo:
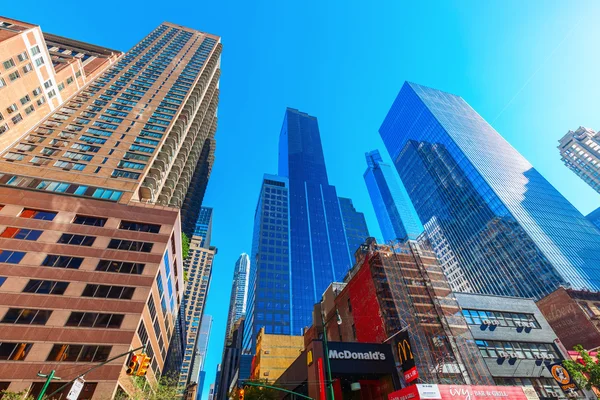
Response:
column 594, row 217
column 512, row 232
column 355, row 225
column 203, row 226
column 395, row 213
column 319, row 249
column 269, row 301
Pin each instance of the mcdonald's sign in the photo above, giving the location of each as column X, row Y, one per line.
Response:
column 406, row 357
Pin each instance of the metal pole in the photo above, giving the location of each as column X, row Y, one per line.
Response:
column 93, row 368
column 326, row 351
column 276, row 388
column 49, row 378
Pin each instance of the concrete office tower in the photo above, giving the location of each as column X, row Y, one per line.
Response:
column 512, row 232
column 594, row 217
column 198, row 269
column 198, row 373
column 395, row 213
column 355, row 225
column 269, row 303
column 39, row 72
column 239, row 293
column 90, row 215
column 318, row 248
column 580, row 151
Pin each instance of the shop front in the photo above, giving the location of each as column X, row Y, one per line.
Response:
column 464, row 392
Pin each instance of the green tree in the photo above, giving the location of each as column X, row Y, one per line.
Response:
column 22, row 395
column 586, row 373
column 185, row 245
column 165, row 389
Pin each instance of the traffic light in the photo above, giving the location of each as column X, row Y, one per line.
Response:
column 144, row 365
column 133, row 364
column 241, row 397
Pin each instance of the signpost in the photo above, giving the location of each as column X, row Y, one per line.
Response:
column 76, row 389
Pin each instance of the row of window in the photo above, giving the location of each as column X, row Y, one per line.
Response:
column 495, row 349
column 28, row 316
column 500, row 318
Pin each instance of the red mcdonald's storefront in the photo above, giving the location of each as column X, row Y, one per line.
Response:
column 463, row 392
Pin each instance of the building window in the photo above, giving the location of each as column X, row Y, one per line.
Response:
column 14, row 351
column 61, row 86
column 17, row 118
column 139, row 226
column 39, row 61
column 48, row 84
column 25, row 99
column 120, row 267
column 87, row 220
column 76, row 240
column 130, row 245
column 79, row 353
column 95, row 320
column 45, row 287
column 11, row 257
column 26, row 316
column 29, row 109
column 27, row 68
column 37, row 91
column 13, row 76
column 51, row 94
column 12, row 108
column 78, row 74
column 2, row 82
column 37, row 214
column 519, row 320
column 21, row 233
column 108, row 292
column 57, row 261
column 22, row 57
column 41, row 101
column 9, row 63
column 69, row 80
column 35, row 50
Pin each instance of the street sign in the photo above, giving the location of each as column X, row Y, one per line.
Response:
column 76, row 389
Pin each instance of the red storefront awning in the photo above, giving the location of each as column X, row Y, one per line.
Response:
column 462, row 392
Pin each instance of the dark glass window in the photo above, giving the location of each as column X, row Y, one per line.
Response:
column 53, row 260
column 130, row 245
column 108, row 292
column 95, row 320
column 45, row 287
column 14, row 351
column 120, row 267
column 26, row 316
column 79, row 353
column 76, row 240
column 37, row 214
column 87, row 220
column 139, row 226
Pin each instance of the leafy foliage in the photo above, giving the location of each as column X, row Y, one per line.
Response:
column 585, row 372
column 7, row 395
column 185, row 245
column 166, row 389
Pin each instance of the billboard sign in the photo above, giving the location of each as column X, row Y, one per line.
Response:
column 348, row 357
column 406, row 357
column 562, row 377
column 459, row 392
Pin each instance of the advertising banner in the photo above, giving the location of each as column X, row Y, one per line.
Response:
column 406, row 357
column 368, row 358
column 562, row 377
column 459, row 392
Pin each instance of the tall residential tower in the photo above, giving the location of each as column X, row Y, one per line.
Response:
column 580, row 151
column 239, row 293
column 512, row 232
column 90, row 242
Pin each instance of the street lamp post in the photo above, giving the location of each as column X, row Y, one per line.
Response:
column 326, row 351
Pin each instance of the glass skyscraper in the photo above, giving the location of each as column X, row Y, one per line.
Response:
column 512, row 232
column 594, row 217
column 355, row 225
column 239, row 293
column 203, row 226
column 394, row 211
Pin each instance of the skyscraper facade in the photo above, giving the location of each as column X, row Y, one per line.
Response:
column 239, row 293
column 512, row 232
column 594, row 217
column 319, row 249
column 269, row 302
column 39, row 72
column 95, row 188
column 580, row 151
column 394, row 211
column 198, row 371
column 355, row 225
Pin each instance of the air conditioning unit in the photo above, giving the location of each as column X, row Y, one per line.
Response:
column 553, row 394
column 539, row 357
column 572, row 394
column 549, row 356
column 487, row 322
column 532, row 324
column 495, row 322
column 513, row 355
column 503, row 354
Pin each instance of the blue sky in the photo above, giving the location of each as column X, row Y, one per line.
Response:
column 529, row 68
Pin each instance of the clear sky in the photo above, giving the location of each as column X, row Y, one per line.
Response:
column 530, row 68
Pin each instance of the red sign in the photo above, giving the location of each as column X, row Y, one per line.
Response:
column 459, row 392
column 321, row 379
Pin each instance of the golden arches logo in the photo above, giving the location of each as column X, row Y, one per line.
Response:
column 405, row 351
